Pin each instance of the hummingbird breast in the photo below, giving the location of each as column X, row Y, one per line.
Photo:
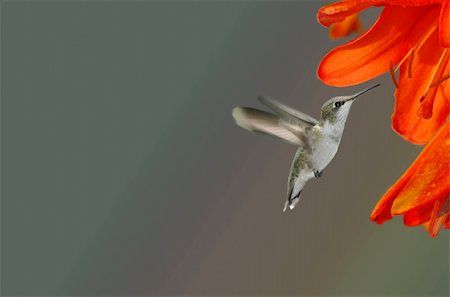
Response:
column 325, row 145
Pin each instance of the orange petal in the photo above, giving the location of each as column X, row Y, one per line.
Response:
column 338, row 11
column 421, row 110
column 444, row 25
column 430, row 178
column 426, row 180
column 419, row 215
column 371, row 54
column 346, row 27
column 428, row 212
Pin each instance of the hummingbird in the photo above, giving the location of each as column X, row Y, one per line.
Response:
column 317, row 140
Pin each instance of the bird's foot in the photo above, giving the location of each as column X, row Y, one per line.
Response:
column 318, row 173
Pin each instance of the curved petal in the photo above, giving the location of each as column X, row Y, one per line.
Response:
column 420, row 110
column 418, row 216
column 444, row 25
column 346, row 27
column 426, row 180
column 371, row 54
column 425, row 213
column 338, row 11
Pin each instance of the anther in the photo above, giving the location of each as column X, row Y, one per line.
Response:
column 392, row 72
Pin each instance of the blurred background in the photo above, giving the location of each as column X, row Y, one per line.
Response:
column 123, row 172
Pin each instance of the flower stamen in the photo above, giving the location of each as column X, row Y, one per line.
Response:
column 425, row 110
column 436, row 83
column 406, row 56
column 427, row 34
column 434, row 230
column 418, row 46
column 392, row 72
column 438, row 217
column 434, row 213
column 410, row 63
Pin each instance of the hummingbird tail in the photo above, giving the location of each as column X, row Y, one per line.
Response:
column 291, row 202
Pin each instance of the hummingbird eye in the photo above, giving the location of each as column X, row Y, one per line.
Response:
column 339, row 103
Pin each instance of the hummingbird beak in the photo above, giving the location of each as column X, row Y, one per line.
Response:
column 353, row 97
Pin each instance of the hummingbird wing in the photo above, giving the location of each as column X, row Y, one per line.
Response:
column 288, row 113
column 255, row 120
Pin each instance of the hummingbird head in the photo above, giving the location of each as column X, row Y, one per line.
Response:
column 336, row 109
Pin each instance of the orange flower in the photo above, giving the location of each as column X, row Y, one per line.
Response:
column 421, row 195
column 415, row 35
column 345, row 27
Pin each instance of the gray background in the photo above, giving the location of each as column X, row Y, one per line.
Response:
column 124, row 174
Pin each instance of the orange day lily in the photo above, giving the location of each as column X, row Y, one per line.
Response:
column 415, row 36
column 421, row 195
